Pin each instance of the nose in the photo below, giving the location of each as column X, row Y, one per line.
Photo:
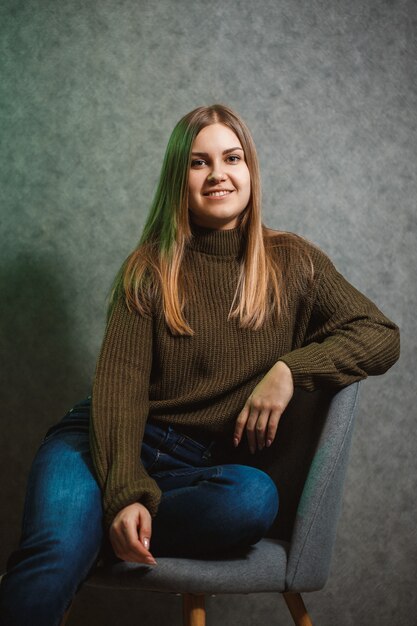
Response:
column 216, row 174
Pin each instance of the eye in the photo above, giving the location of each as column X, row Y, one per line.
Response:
column 197, row 162
column 234, row 156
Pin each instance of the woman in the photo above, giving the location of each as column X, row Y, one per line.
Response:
column 213, row 319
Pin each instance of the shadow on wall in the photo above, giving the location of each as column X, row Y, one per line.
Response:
column 40, row 370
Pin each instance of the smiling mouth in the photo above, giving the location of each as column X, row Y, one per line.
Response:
column 217, row 194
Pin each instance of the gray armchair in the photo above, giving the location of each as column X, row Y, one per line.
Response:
column 308, row 461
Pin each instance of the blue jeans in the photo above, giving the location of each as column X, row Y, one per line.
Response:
column 205, row 509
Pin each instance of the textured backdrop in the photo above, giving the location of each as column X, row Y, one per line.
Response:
column 90, row 92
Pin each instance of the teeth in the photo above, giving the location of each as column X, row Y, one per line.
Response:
column 218, row 193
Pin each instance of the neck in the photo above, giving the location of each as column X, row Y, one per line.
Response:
column 226, row 243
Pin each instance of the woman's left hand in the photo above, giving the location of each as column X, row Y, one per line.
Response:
column 264, row 407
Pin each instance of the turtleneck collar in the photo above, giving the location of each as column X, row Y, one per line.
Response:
column 225, row 243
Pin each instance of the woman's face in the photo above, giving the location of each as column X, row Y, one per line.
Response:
column 219, row 181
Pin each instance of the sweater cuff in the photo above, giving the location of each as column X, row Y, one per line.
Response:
column 310, row 368
column 296, row 368
column 147, row 493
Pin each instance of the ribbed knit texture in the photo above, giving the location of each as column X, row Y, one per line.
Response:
column 333, row 336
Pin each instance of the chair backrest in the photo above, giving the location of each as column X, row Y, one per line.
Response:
column 308, row 462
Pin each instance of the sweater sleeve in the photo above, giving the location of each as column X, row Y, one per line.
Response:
column 347, row 338
column 120, row 405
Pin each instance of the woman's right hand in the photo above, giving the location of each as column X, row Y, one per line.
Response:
column 130, row 534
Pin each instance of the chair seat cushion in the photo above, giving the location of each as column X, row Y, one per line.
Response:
column 256, row 569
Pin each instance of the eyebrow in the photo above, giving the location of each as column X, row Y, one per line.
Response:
column 224, row 152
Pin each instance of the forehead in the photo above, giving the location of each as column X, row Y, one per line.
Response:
column 216, row 136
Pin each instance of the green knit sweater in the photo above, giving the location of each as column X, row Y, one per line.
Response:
column 333, row 336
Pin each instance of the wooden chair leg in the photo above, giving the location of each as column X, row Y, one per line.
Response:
column 297, row 609
column 193, row 609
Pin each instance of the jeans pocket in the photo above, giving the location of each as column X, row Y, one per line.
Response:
column 192, row 444
column 187, row 451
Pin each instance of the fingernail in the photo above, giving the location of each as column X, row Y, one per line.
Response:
column 146, row 542
column 152, row 562
column 268, row 442
column 235, row 442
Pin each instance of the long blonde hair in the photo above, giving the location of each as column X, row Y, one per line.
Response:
column 152, row 269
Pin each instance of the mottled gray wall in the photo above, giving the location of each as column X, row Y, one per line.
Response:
column 90, row 93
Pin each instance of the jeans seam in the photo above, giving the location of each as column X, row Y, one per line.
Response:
column 172, row 493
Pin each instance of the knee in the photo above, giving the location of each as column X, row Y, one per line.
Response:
column 255, row 498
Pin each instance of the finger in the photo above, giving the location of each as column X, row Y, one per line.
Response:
column 250, row 429
column 132, row 555
column 118, row 544
column 134, row 546
column 260, row 428
column 129, row 540
column 145, row 529
column 240, row 424
column 143, row 524
column 272, row 427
